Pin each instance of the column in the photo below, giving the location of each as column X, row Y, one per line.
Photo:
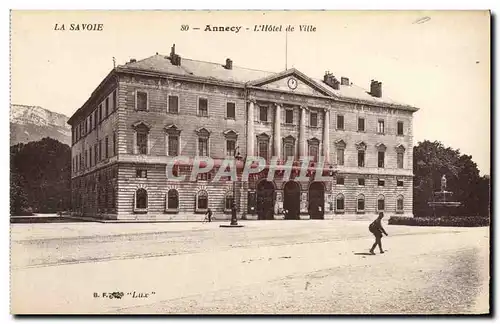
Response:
column 250, row 128
column 277, row 130
column 302, row 133
column 326, row 136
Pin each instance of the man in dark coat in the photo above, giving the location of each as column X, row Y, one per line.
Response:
column 377, row 230
column 209, row 215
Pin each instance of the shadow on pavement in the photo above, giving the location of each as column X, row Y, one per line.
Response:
column 363, row 253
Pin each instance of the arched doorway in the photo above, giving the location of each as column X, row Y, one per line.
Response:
column 317, row 200
column 291, row 200
column 265, row 200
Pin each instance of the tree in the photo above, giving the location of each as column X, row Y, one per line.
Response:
column 430, row 161
column 40, row 176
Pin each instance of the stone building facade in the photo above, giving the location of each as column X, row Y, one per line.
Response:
column 145, row 113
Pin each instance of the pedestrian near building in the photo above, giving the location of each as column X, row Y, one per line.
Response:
column 209, row 215
column 377, row 230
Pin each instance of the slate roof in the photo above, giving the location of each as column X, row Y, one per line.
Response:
column 216, row 71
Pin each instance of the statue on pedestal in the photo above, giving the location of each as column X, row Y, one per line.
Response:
column 443, row 183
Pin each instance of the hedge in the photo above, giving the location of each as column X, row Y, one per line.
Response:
column 470, row 221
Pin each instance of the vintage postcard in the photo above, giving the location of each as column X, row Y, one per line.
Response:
column 250, row 162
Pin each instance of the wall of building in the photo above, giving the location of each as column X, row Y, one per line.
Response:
column 187, row 119
column 157, row 187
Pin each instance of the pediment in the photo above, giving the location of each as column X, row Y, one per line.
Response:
column 293, row 81
column 230, row 133
column 202, row 132
column 141, row 124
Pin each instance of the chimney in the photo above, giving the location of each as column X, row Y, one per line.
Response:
column 376, row 88
column 229, row 64
column 133, row 60
column 344, row 81
column 175, row 59
column 330, row 80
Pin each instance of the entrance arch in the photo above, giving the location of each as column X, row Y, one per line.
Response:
column 317, row 200
column 291, row 200
column 265, row 200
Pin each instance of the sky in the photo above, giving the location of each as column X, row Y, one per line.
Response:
column 438, row 61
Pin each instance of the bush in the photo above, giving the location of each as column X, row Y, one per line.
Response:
column 469, row 221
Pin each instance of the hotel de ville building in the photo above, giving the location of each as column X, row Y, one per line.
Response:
column 146, row 112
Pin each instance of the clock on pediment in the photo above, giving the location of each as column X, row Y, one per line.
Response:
column 292, row 83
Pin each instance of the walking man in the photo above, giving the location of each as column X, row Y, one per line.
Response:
column 377, row 230
column 209, row 215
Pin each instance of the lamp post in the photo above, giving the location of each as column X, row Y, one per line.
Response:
column 234, row 218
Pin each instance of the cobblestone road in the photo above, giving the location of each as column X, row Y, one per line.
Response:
column 284, row 267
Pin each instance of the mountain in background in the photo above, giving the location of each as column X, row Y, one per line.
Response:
column 32, row 123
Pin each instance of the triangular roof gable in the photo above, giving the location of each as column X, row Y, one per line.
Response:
column 298, row 75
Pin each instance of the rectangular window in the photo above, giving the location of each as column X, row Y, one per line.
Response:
column 289, row 116
column 96, row 157
column 114, row 143
column 100, row 113
column 91, row 122
column 231, row 110
column 381, row 204
column 263, row 114
column 85, row 159
column 361, row 124
column 361, row 181
column 340, row 122
column 203, row 107
column 361, row 204
column 141, row 173
column 115, row 102
column 314, row 152
column 400, row 128
column 263, row 149
column 230, row 147
column 313, row 122
column 142, row 142
column 340, row 181
column 361, row 159
column 400, row 160
column 173, row 145
column 173, row 104
column 90, row 156
column 100, row 150
column 141, row 101
column 381, row 158
column 340, row 156
column 203, row 146
column 400, row 183
column 106, row 105
column 381, row 182
column 95, row 118
column 381, row 127
column 399, row 204
column 106, row 151
column 340, row 204
column 289, row 150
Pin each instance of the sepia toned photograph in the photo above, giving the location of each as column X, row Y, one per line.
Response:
column 250, row 162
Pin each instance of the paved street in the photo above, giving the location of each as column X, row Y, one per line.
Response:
column 284, row 267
